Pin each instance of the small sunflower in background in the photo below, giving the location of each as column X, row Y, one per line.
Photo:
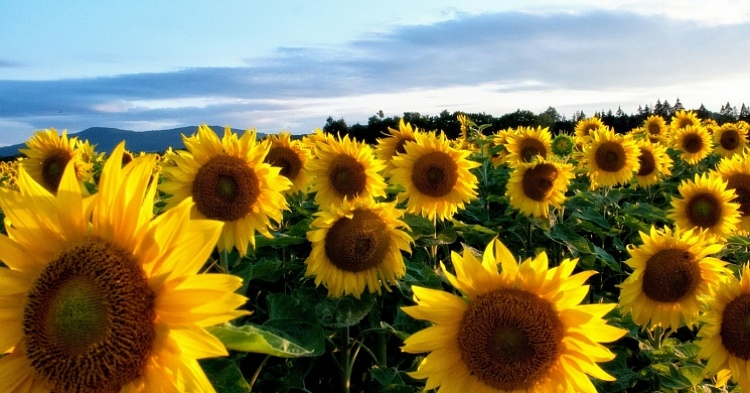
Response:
column 610, row 159
column 48, row 153
column 520, row 329
column 583, row 129
column 656, row 128
column 292, row 158
column 346, row 169
column 683, row 119
column 724, row 338
column 393, row 144
column 735, row 171
column 527, row 143
column 730, row 139
column 498, row 145
column 672, row 277
column 706, row 203
column 356, row 247
column 9, row 174
column 654, row 164
column 534, row 186
column 100, row 296
column 437, row 178
column 228, row 181
column 693, row 142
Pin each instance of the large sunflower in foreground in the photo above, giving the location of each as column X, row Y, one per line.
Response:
column 357, row 246
column 655, row 164
column 527, row 143
column 534, row 186
column 99, row 296
column 49, row 153
column 436, row 177
column 724, row 337
column 521, row 329
column 735, row 170
column 730, row 139
column 228, row 181
column 292, row 158
column 706, row 203
column 345, row 169
column 672, row 276
column 693, row 142
column 393, row 144
column 610, row 158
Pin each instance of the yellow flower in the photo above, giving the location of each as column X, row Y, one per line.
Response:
column 527, row 143
column 654, row 164
column 436, row 177
column 393, row 144
column 706, row 204
column 522, row 329
column 724, row 336
column 99, row 296
column 357, row 246
column 584, row 127
column 683, row 119
column 346, row 169
column 499, row 140
column 228, row 181
column 730, row 139
column 292, row 157
column 694, row 143
column 48, row 153
column 672, row 276
column 611, row 159
column 534, row 186
column 735, row 171
column 656, row 128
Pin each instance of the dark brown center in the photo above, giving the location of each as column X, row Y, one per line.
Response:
column 358, row 243
column 735, row 327
column 538, row 182
column 225, row 188
column 610, row 156
column 435, row 174
column 671, row 275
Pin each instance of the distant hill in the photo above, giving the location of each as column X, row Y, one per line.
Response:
column 106, row 139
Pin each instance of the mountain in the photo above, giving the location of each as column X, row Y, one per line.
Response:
column 106, row 139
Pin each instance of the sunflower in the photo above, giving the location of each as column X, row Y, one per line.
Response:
column 534, row 186
column 498, row 142
column 99, row 296
column 610, row 158
column 683, row 119
column 49, row 153
column 393, row 144
column 562, row 145
column 735, row 171
column 357, row 246
column 292, row 158
column 730, row 139
column 672, row 276
column 9, row 174
column 436, row 177
column 228, row 181
column 527, row 143
column 519, row 330
column 584, row 127
column 345, row 169
column 694, row 143
column 655, row 164
column 656, row 128
column 724, row 338
column 706, row 203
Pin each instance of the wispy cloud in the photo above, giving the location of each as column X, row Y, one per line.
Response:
column 471, row 63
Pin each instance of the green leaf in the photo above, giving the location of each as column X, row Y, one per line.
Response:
column 264, row 269
column 577, row 244
column 608, row 259
column 280, row 239
column 255, row 339
column 344, row 311
column 295, row 321
column 225, row 376
column 592, row 216
column 419, row 225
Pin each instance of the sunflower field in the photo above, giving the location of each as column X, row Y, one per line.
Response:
column 506, row 260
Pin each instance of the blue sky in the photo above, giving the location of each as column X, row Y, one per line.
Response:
column 288, row 65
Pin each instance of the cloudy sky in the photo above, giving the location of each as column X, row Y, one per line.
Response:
column 288, row 65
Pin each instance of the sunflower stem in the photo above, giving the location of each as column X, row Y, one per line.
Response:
column 257, row 372
column 346, row 363
column 224, row 260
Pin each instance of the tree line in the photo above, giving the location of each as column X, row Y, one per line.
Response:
column 378, row 124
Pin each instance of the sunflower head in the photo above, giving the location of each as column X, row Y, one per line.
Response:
column 654, row 164
column 534, row 187
column 672, row 276
column 100, row 296
column 693, row 142
column 562, row 145
column 228, row 181
column 584, row 127
column 706, row 204
column 357, row 246
column 656, row 128
column 682, row 119
column 730, row 139
column 611, row 158
column 735, row 170
column 49, row 153
column 527, row 143
column 291, row 157
column 393, row 144
column 510, row 330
